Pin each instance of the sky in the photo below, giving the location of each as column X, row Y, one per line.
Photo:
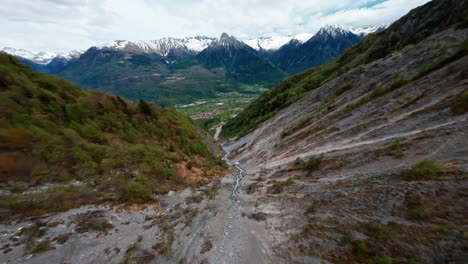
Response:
column 64, row 25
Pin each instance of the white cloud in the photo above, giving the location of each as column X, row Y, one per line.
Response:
column 61, row 25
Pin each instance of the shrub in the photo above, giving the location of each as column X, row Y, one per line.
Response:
column 278, row 186
column 41, row 247
column 361, row 248
column 134, row 192
column 145, row 108
column 396, row 149
column 381, row 231
column 378, row 91
column 342, row 89
column 424, row 170
column 398, row 81
column 313, row 163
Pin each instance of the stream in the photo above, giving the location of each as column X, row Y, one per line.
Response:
column 238, row 177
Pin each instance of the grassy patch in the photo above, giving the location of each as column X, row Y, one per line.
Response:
column 302, row 123
column 382, row 232
column 41, row 246
column 312, row 164
column 278, row 186
column 360, row 247
column 424, row 170
column 344, row 88
column 443, row 60
column 396, row 149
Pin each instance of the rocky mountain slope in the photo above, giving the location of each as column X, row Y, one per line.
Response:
column 241, row 62
column 369, row 164
column 325, row 45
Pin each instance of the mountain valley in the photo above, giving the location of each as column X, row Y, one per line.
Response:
column 348, row 145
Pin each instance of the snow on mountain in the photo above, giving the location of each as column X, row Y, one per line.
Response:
column 41, row 57
column 338, row 29
column 268, row 43
column 303, row 37
column 193, row 44
column 367, row 30
column 274, row 43
column 160, row 46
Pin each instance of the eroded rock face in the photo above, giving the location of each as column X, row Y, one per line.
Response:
column 358, row 202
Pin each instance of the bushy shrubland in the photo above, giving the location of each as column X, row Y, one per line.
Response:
column 53, row 131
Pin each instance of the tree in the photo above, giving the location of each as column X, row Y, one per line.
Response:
column 145, row 108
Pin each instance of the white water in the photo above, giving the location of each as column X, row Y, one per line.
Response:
column 238, row 178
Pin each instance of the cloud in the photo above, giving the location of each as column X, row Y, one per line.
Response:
column 61, row 25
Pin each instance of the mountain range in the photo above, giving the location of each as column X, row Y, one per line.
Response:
column 181, row 70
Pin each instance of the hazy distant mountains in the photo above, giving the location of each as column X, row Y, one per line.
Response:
column 48, row 62
column 179, row 70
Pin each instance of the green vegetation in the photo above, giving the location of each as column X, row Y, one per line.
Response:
column 312, row 164
column 384, row 260
column 398, row 81
column 301, row 124
column 54, row 132
column 278, row 186
column 361, row 248
column 174, row 80
column 344, row 88
column 396, row 149
column 443, row 60
column 226, row 105
column 424, row 170
column 41, row 246
column 371, row 48
column 382, row 232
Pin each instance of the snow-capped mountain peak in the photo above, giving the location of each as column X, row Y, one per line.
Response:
column 338, row 29
column 274, row 43
column 41, row 57
column 268, row 43
column 160, row 46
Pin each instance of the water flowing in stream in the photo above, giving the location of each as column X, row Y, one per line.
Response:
column 238, row 177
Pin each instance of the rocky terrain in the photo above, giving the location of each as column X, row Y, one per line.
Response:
column 338, row 168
